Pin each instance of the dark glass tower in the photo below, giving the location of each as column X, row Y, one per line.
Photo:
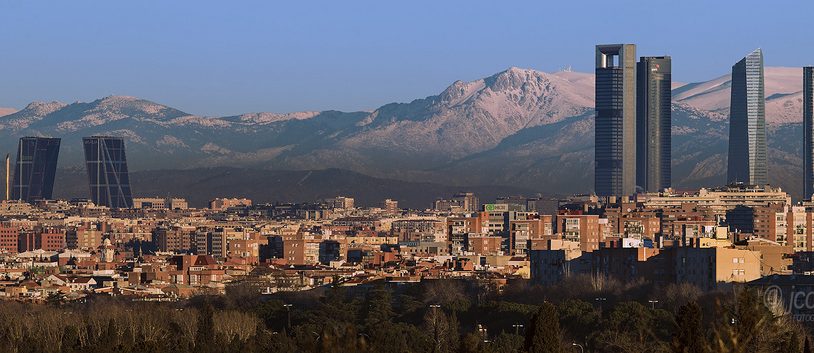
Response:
column 107, row 171
column 808, row 127
column 35, row 169
column 747, row 123
column 615, row 154
column 653, row 123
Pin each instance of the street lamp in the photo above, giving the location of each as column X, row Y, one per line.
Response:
column 599, row 301
column 653, row 303
column 581, row 349
column 288, row 314
column 517, row 328
column 435, row 307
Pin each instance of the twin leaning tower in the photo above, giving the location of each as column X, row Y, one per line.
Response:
column 105, row 162
column 633, row 122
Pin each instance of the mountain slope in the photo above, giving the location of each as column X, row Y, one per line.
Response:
column 518, row 127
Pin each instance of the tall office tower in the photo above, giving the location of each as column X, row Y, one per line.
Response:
column 808, row 127
column 8, row 177
column 35, row 169
column 653, row 124
column 615, row 155
column 107, row 171
column 747, row 123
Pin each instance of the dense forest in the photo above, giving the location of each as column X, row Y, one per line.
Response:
column 433, row 316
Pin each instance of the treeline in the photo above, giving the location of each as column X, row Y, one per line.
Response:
column 434, row 316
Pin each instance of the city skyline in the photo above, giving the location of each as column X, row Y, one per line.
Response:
column 424, row 176
column 641, row 77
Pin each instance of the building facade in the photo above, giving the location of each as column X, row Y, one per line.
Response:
column 747, row 123
column 615, row 168
column 106, row 164
column 35, row 169
column 582, row 229
column 653, row 123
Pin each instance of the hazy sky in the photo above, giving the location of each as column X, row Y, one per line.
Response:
column 229, row 57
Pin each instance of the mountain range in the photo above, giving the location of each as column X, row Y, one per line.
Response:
column 520, row 128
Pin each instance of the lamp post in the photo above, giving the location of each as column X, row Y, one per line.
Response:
column 653, row 303
column 581, row 349
column 517, row 328
column 435, row 307
column 599, row 301
column 288, row 314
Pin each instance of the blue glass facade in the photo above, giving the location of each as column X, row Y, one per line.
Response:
column 615, row 150
column 106, row 164
column 653, row 123
column 747, row 123
column 808, row 126
column 35, row 169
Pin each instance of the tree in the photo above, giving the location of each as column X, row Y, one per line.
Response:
column 506, row 343
column 70, row 340
column 544, row 334
column 471, row 343
column 689, row 336
column 110, row 336
column 205, row 336
column 55, row 299
column 749, row 326
column 633, row 327
column 379, row 308
column 444, row 332
column 578, row 318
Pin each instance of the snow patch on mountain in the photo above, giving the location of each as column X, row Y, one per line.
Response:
column 127, row 134
column 211, row 148
column 171, row 141
column 199, row 120
column 267, row 118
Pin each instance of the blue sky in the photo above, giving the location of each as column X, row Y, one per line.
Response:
column 229, row 57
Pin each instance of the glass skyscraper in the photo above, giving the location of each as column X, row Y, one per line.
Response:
column 35, row 169
column 615, row 150
column 808, row 127
column 106, row 164
column 653, row 123
column 747, row 123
